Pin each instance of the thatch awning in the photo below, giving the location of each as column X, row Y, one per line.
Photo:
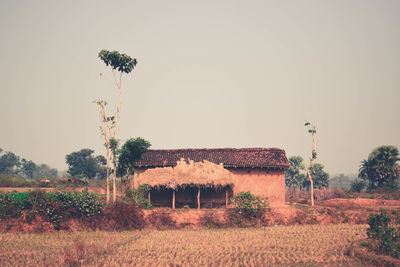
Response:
column 191, row 174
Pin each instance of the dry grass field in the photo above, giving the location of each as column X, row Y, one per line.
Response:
column 308, row 245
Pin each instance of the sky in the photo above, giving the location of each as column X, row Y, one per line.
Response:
column 210, row 74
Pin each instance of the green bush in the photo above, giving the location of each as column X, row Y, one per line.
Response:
column 56, row 206
column 88, row 204
column 247, row 208
column 139, row 196
column 387, row 237
column 358, row 186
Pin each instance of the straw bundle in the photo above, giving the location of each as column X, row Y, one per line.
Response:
column 188, row 174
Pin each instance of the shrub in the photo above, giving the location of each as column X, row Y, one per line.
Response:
column 87, row 204
column 11, row 181
column 53, row 206
column 386, row 236
column 139, row 196
column 358, row 186
column 247, row 208
column 123, row 216
column 210, row 220
column 161, row 220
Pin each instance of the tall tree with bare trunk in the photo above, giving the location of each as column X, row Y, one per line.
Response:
column 120, row 63
column 312, row 131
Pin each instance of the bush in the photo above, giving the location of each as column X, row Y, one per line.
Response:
column 54, row 206
column 210, row 220
column 87, row 204
column 358, row 186
column 11, row 181
column 161, row 220
column 247, row 208
column 386, row 236
column 139, row 196
column 122, row 216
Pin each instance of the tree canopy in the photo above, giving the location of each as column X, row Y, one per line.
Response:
column 130, row 152
column 83, row 164
column 293, row 175
column 9, row 163
column 320, row 177
column 12, row 164
column 381, row 168
column 120, row 62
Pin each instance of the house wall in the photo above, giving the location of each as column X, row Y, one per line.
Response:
column 261, row 182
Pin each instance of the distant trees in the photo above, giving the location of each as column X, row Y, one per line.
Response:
column 84, row 164
column 293, row 175
column 381, row 168
column 120, row 63
column 320, row 177
column 296, row 178
column 29, row 168
column 342, row 181
column 11, row 164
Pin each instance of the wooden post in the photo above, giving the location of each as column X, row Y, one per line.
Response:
column 198, row 199
column 173, row 199
column 148, row 197
column 226, row 198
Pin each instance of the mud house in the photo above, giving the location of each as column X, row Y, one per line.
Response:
column 210, row 177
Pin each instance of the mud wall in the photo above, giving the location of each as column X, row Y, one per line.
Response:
column 261, row 182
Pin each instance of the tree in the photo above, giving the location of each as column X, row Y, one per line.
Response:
column 380, row 169
column 320, row 177
column 83, row 164
column 367, row 172
column 9, row 163
column 294, row 176
column 120, row 63
column 312, row 131
column 341, row 181
column 43, row 170
column 130, row 152
column 28, row 168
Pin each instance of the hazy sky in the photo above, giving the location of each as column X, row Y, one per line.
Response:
column 210, row 74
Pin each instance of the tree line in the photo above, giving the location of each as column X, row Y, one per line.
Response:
column 379, row 170
column 14, row 165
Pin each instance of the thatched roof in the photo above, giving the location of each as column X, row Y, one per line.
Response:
column 231, row 157
column 191, row 174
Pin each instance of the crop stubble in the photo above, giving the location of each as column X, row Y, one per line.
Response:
column 282, row 245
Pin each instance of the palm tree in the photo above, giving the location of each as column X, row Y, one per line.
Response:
column 381, row 169
column 386, row 158
column 367, row 172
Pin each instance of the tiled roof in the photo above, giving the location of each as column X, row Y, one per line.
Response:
column 230, row 157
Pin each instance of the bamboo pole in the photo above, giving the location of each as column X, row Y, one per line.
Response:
column 173, row 199
column 148, row 197
column 226, row 198
column 198, row 199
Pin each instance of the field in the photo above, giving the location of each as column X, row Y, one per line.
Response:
column 307, row 245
